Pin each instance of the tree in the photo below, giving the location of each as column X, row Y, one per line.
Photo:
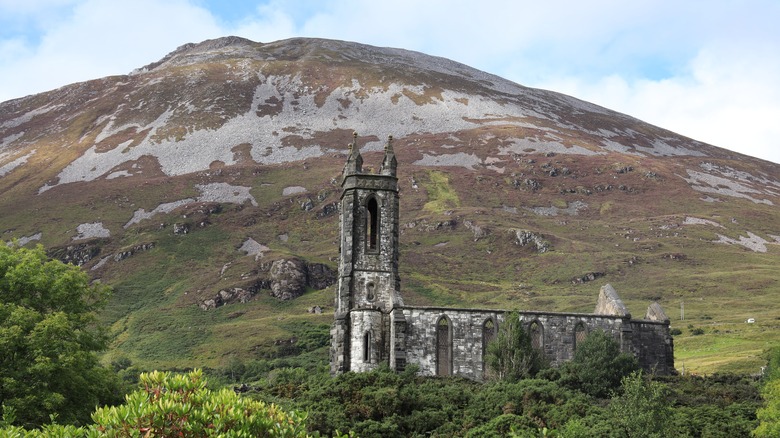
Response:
column 511, row 356
column 598, row 365
column 772, row 369
column 641, row 409
column 769, row 415
column 48, row 339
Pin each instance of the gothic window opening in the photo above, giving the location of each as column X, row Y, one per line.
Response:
column 443, row 347
column 488, row 335
column 537, row 335
column 579, row 334
column 367, row 341
column 372, row 224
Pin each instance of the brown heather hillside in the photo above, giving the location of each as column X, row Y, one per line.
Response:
column 194, row 174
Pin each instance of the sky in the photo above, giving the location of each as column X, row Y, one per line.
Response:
column 707, row 69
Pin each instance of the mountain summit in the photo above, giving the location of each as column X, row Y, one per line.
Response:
column 209, row 179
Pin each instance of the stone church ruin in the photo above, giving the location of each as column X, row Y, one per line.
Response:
column 372, row 325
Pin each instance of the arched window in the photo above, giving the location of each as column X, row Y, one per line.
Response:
column 443, row 347
column 579, row 334
column 537, row 334
column 488, row 335
column 368, row 339
column 372, row 224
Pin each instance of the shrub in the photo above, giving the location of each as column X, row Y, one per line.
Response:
column 642, row 409
column 511, row 356
column 181, row 405
column 598, row 365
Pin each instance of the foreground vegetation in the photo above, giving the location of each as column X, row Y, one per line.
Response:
column 51, row 380
column 168, row 405
column 599, row 393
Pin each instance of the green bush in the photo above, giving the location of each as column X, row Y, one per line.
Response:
column 545, row 402
column 642, row 408
column 181, row 405
column 176, row 405
column 511, row 356
column 598, row 365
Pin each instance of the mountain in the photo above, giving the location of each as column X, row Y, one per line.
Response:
column 203, row 188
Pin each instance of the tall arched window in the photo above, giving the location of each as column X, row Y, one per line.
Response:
column 488, row 334
column 579, row 334
column 443, row 347
column 368, row 339
column 372, row 224
column 537, row 335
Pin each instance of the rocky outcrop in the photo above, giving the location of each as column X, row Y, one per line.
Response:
column 289, row 278
column 121, row 255
column 479, row 232
column 78, row 254
column 328, row 210
column 585, row 278
column 225, row 296
column 426, row 226
column 286, row 279
column 526, row 238
column 319, row 276
column 307, row 204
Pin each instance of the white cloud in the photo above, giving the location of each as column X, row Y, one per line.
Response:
column 100, row 38
column 728, row 97
column 269, row 24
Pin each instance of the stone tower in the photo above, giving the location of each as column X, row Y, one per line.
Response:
column 368, row 284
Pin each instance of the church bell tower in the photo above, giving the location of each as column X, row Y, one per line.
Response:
column 368, row 283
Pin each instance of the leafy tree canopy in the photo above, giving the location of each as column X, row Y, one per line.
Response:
column 598, row 365
column 511, row 355
column 769, row 414
column 48, row 339
column 642, row 408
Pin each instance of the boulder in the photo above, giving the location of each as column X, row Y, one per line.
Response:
column 328, row 210
column 285, row 278
column 320, row 276
column 288, row 278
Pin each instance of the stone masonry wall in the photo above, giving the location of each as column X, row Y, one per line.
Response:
column 648, row 340
column 653, row 346
column 558, row 331
column 465, row 335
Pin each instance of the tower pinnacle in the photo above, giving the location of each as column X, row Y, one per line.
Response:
column 389, row 163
